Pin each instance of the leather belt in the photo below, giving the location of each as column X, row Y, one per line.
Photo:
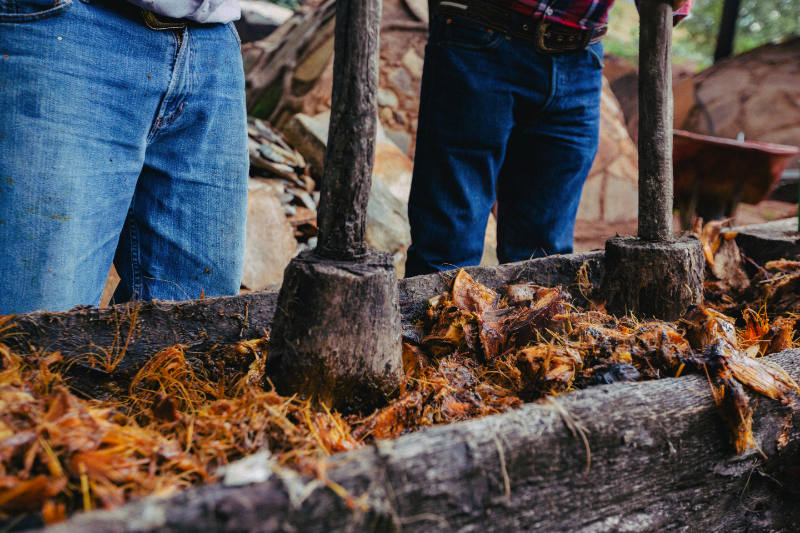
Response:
column 548, row 36
column 161, row 23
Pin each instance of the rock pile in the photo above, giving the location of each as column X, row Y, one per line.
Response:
column 281, row 206
column 610, row 194
column 283, row 197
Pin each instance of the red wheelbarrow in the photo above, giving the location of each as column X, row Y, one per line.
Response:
column 713, row 174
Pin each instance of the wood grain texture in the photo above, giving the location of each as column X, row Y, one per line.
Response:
column 771, row 240
column 656, row 458
column 655, row 121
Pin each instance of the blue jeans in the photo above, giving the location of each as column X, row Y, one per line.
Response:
column 118, row 142
column 499, row 121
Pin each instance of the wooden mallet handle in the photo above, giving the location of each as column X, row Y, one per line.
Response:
column 347, row 173
column 655, row 120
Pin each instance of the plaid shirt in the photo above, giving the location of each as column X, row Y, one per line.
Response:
column 584, row 14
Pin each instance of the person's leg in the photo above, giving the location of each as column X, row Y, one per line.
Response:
column 549, row 155
column 184, row 235
column 464, row 122
column 79, row 87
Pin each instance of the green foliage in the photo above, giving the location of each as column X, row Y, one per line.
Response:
column 759, row 22
column 694, row 39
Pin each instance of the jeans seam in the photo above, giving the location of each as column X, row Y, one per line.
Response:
column 446, row 40
column 553, row 84
column 136, row 260
column 178, row 67
column 597, row 58
column 32, row 17
column 234, row 32
column 177, row 105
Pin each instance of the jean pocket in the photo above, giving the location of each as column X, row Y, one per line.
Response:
column 31, row 10
column 463, row 33
column 234, row 32
column 596, row 53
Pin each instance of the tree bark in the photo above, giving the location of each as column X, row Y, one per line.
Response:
column 336, row 336
column 227, row 320
column 727, row 30
column 647, row 456
column 203, row 324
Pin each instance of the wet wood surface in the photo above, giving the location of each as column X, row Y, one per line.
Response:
column 349, row 157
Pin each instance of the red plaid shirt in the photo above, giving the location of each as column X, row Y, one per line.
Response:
column 584, row 14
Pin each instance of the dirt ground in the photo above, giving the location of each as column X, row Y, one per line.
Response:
column 593, row 235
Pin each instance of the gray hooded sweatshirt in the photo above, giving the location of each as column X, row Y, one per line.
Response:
column 204, row 11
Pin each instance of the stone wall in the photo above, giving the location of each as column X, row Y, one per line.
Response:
column 611, row 192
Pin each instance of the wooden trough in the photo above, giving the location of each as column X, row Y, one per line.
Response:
column 640, row 456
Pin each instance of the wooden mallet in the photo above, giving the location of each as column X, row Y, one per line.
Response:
column 336, row 332
column 654, row 274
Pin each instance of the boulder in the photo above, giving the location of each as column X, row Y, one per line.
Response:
column 259, row 19
column 392, row 166
column 624, row 79
column 308, row 135
column 387, row 98
column 413, row 63
column 387, row 222
column 419, row 8
column 270, row 242
column 387, row 219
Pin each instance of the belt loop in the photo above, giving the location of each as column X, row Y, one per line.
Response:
column 587, row 38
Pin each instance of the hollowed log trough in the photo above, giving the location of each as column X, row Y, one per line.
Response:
column 647, row 456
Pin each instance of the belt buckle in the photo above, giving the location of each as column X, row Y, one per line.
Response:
column 541, row 34
column 159, row 24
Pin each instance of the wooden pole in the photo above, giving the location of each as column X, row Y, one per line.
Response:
column 727, row 30
column 336, row 332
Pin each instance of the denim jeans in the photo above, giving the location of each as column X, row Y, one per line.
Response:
column 117, row 142
column 499, row 121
